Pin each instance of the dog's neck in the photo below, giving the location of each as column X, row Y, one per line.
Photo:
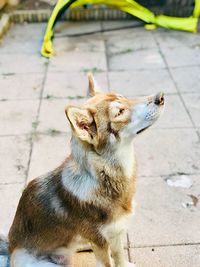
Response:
column 114, row 156
column 79, row 154
column 85, row 171
column 114, row 160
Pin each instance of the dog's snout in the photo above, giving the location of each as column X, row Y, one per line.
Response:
column 159, row 99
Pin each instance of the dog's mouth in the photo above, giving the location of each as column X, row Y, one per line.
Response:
column 142, row 130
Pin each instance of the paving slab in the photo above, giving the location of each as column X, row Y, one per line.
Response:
column 49, row 151
column 17, row 117
column 14, row 154
column 75, row 27
column 78, row 61
column 178, row 256
column 52, row 114
column 187, row 79
column 119, row 26
column 136, row 60
column 172, row 38
column 25, row 32
column 21, row 86
column 21, row 45
column 23, row 39
column 124, row 29
column 82, row 43
column 167, row 151
column 130, row 40
column 71, row 84
column 192, row 102
column 8, row 205
column 160, row 217
column 78, row 54
column 21, row 63
column 28, row 47
column 181, row 56
column 140, row 83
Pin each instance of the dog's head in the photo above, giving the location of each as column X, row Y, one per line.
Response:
column 108, row 118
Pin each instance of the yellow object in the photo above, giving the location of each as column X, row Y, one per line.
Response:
column 196, row 12
column 150, row 27
column 129, row 6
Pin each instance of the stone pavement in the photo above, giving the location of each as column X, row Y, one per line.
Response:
column 34, row 134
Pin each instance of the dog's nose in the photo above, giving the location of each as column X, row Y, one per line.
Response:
column 159, row 99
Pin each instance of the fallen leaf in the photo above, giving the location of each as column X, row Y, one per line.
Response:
column 195, row 200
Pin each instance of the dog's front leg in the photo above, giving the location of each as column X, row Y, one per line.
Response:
column 117, row 251
column 102, row 254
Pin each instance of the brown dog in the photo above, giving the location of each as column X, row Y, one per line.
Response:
column 90, row 195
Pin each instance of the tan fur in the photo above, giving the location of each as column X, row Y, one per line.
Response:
column 93, row 87
column 90, row 193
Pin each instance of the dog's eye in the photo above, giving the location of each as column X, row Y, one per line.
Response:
column 120, row 112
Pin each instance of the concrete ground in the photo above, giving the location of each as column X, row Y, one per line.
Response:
column 34, row 133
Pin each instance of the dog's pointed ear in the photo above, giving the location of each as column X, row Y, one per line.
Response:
column 93, row 86
column 81, row 120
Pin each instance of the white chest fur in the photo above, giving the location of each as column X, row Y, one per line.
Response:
column 80, row 186
column 126, row 156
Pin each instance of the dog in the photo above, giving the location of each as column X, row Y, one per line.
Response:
column 90, row 196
